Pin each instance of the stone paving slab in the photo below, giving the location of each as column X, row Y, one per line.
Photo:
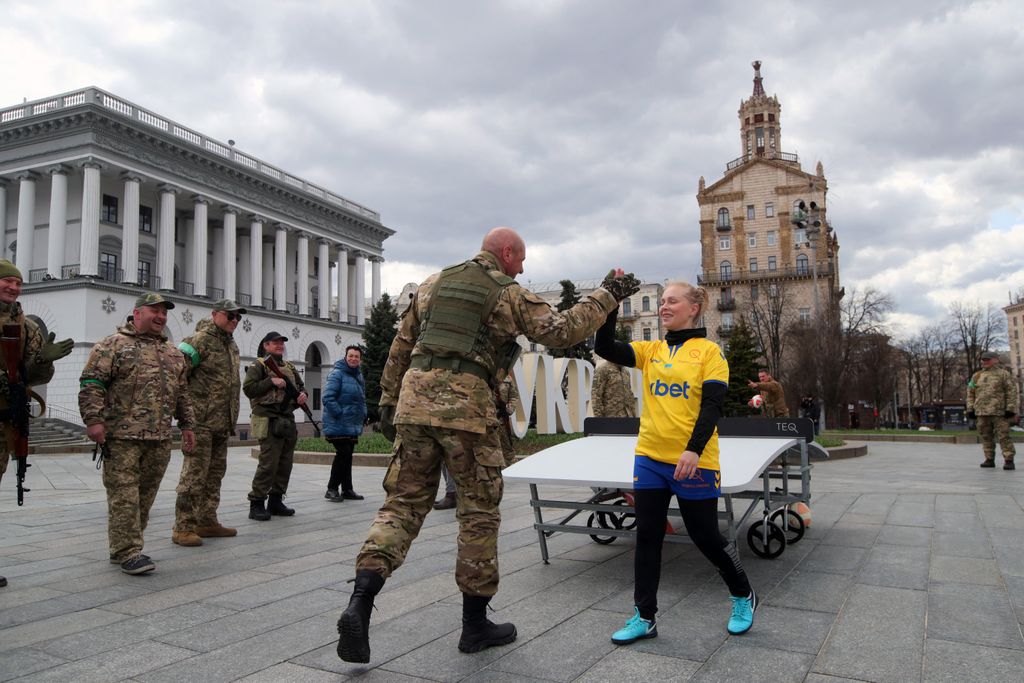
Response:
column 906, row 531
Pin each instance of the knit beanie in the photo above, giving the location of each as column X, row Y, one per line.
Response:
column 7, row 269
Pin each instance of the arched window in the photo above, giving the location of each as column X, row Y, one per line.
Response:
column 723, row 218
column 725, row 270
column 645, row 303
column 801, row 264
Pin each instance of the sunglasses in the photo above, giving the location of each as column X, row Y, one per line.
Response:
column 231, row 315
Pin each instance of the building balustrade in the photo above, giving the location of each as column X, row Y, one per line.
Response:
column 727, row 305
column 183, row 287
column 268, row 303
column 37, row 275
column 109, row 273
column 292, row 308
column 788, row 157
column 70, row 271
column 244, row 299
column 215, row 293
column 711, row 277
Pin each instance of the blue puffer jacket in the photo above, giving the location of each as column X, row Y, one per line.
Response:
column 344, row 401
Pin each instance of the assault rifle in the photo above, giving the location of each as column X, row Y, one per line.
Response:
column 290, row 390
column 17, row 413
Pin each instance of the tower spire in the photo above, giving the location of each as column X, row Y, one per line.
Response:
column 758, row 87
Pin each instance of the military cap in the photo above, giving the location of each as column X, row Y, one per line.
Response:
column 228, row 305
column 8, row 269
column 990, row 355
column 152, row 299
column 272, row 336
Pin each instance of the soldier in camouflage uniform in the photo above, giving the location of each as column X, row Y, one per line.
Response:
column 993, row 400
column 37, row 353
column 134, row 382
column 273, row 423
column 771, row 391
column 213, row 384
column 611, row 394
column 454, row 344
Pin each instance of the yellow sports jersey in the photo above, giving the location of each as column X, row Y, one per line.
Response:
column 674, row 378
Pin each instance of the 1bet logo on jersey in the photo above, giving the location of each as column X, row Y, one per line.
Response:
column 674, row 390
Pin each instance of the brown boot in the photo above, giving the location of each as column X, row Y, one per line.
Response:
column 218, row 530
column 446, row 503
column 187, row 538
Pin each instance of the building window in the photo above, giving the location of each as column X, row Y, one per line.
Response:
column 805, row 315
column 727, row 319
column 752, row 240
column 725, row 270
column 750, row 145
column 801, row 264
column 769, row 210
column 645, row 304
column 108, row 267
column 627, row 308
column 771, row 263
column 628, row 332
column 723, row 218
column 771, row 138
column 753, row 265
column 145, row 268
column 726, row 295
column 647, row 334
column 773, row 290
column 799, row 236
column 146, row 218
column 109, row 212
column 759, row 139
column 750, row 212
column 770, row 238
column 754, row 292
column 724, row 243
column 316, row 264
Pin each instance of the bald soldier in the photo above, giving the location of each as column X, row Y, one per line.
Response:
column 455, row 343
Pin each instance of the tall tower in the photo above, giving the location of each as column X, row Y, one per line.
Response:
column 760, row 127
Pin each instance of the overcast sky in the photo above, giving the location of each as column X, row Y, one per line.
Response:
column 585, row 124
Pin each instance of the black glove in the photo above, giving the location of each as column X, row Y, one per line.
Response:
column 1009, row 414
column 52, row 351
column 621, row 287
column 387, row 422
column 972, row 415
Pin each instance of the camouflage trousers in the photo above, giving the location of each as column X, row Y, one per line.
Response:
column 277, row 450
column 505, row 439
column 474, row 461
column 132, row 475
column 992, row 428
column 199, row 483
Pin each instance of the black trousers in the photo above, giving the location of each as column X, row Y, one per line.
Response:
column 341, row 467
column 701, row 520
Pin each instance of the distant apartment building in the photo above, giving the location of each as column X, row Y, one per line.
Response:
column 1014, row 325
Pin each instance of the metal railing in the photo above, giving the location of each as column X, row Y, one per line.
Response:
column 70, row 271
column 215, row 293
column 109, row 273
column 149, row 282
column 292, row 308
column 740, row 275
column 244, row 299
column 37, row 274
column 97, row 97
column 780, row 156
column 183, row 287
column 728, row 305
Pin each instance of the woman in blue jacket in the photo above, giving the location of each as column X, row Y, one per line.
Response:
column 344, row 412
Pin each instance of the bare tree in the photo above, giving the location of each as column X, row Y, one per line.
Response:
column 771, row 316
column 979, row 330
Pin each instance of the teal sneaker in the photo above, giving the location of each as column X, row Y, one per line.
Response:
column 635, row 629
column 742, row 613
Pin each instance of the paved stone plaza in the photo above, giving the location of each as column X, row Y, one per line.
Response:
column 912, row 570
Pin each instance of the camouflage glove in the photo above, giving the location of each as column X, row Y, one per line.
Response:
column 621, row 287
column 387, row 422
column 972, row 415
column 1009, row 414
column 52, row 350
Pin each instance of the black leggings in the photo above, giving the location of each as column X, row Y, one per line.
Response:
column 701, row 520
column 341, row 467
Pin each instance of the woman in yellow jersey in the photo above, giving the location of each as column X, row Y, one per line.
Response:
column 685, row 382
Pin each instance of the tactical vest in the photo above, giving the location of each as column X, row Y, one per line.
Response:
column 454, row 333
column 17, row 317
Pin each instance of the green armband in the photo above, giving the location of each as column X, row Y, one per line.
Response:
column 190, row 352
column 93, row 381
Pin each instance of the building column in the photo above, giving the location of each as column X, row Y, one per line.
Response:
column 267, row 295
column 302, row 245
column 256, row 260
column 130, row 233
column 280, row 264
column 26, row 222
column 58, row 221
column 229, row 247
column 360, row 288
column 89, row 247
column 200, row 240
column 350, row 289
column 244, row 275
column 165, row 239
column 323, row 281
column 375, row 279
column 342, row 285
column 3, row 218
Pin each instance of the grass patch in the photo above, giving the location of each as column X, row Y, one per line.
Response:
column 829, row 441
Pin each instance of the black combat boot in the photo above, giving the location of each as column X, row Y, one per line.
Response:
column 354, row 624
column 276, row 507
column 258, row 511
column 478, row 632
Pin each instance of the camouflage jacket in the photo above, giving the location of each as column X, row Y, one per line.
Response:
column 266, row 399
column 36, row 371
column 611, row 394
column 507, row 398
column 992, row 392
column 458, row 400
column 774, row 399
column 134, row 384
column 213, row 380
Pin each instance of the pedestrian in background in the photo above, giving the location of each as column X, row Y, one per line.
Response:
column 993, row 400
column 344, row 402
column 771, row 391
column 612, row 395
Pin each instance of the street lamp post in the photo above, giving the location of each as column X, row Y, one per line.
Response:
column 808, row 218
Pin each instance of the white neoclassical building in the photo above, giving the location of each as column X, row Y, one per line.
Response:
column 101, row 200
